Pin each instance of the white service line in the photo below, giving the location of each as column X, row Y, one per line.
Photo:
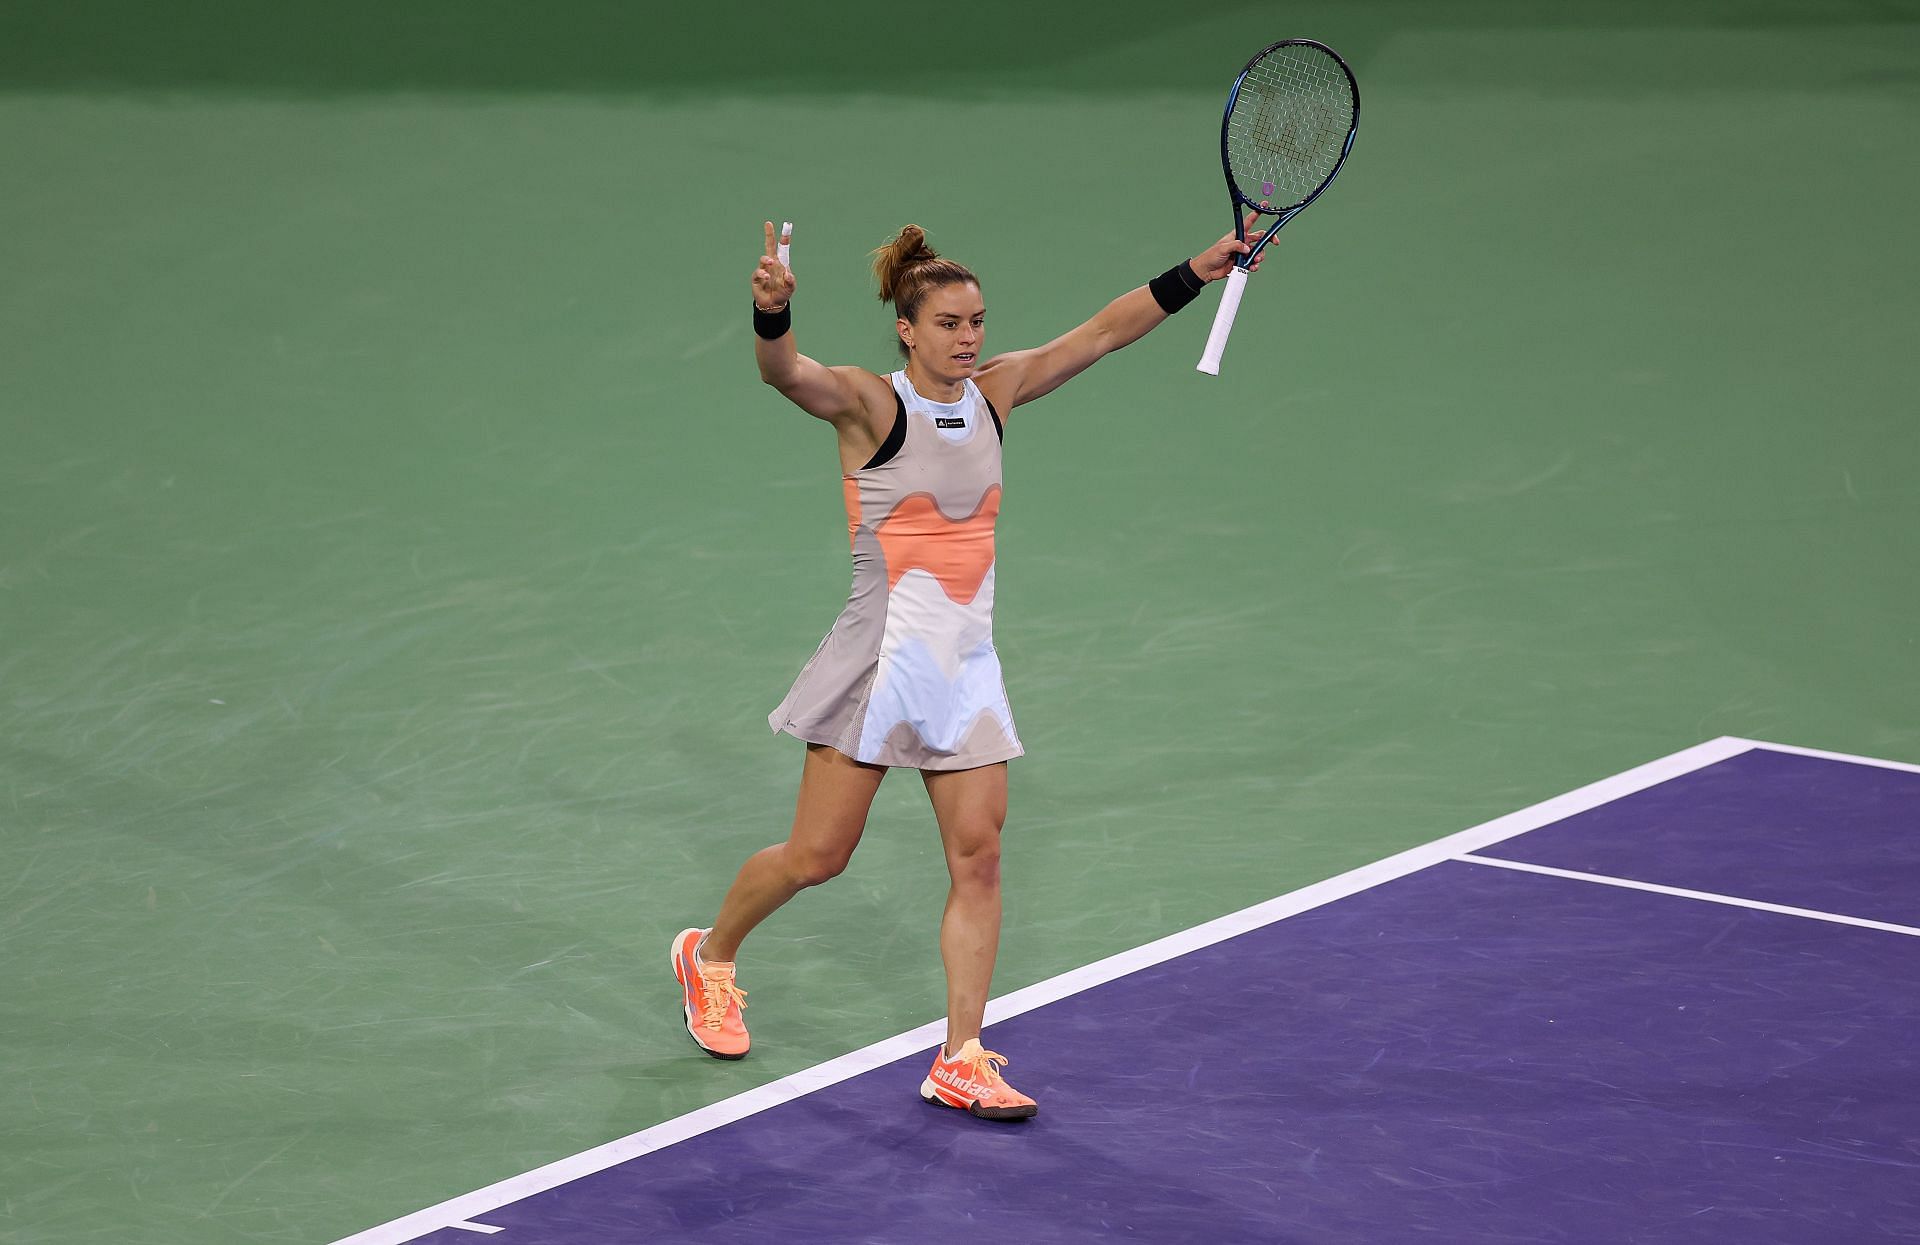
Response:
column 476, row 1227
column 1683, row 893
column 881, row 1053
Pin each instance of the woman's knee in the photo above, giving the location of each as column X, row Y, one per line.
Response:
column 974, row 857
column 812, row 866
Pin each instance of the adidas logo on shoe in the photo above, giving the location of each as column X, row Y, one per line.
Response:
column 970, row 1081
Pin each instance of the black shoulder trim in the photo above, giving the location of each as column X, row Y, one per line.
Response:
column 896, row 438
column 998, row 431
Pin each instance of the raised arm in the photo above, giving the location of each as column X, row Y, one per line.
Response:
column 1011, row 379
column 835, row 394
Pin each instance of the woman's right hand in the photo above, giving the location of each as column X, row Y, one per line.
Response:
column 772, row 280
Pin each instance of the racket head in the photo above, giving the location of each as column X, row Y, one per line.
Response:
column 1289, row 125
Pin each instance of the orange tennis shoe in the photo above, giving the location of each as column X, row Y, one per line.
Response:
column 971, row 1081
column 713, row 1001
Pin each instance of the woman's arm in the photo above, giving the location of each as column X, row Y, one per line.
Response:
column 835, row 394
column 1011, row 379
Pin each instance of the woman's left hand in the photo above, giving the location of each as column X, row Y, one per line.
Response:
column 1217, row 260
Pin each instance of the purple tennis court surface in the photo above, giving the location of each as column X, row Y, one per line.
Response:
column 1460, row 1050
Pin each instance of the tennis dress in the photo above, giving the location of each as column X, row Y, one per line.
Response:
column 908, row 675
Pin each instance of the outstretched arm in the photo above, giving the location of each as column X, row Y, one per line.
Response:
column 1025, row 375
column 834, row 394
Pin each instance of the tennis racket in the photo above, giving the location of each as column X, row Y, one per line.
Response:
column 1290, row 122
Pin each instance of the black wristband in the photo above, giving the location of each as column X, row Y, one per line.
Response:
column 1176, row 287
column 773, row 325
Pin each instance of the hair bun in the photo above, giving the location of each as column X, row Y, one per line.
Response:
column 907, row 250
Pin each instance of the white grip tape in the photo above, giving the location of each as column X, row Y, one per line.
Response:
column 786, row 243
column 1223, row 321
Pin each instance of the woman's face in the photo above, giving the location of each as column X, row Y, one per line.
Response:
column 945, row 337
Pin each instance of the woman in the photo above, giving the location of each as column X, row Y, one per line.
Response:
column 908, row 676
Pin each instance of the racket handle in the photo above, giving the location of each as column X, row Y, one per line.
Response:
column 1223, row 321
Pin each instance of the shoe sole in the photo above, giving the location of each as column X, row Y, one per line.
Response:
column 1012, row 1114
column 673, row 958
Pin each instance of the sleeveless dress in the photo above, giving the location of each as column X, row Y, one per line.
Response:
column 908, row 675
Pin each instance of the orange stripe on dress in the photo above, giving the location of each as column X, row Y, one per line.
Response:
column 957, row 552
column 850, row 489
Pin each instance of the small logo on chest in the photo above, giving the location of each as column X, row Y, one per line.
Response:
column 949, row 421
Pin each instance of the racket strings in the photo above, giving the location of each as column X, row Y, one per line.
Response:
column 1289, row 126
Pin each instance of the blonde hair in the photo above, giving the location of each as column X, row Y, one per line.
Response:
column 908, row 270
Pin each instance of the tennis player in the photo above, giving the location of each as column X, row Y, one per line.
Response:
column 908, row 677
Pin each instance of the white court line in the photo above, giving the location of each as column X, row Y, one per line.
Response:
column 476, row 1227
column 1709, row 896
column 1827, row 756
column 833, row 1071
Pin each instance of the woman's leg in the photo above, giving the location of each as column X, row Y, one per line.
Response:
column 971, row 806
column 835, row 793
